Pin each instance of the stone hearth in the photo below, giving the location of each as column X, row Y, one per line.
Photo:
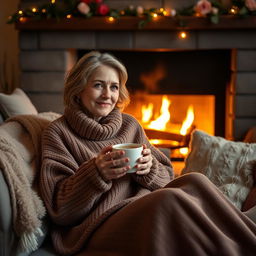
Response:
column 48, row 50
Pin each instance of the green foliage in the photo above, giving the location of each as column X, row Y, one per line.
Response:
column 61, row 9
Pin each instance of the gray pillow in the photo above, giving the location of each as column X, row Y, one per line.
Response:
column 16, row 103
column 226, row 163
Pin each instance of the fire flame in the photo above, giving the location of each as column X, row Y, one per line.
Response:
column 188, row 120
column 147, row 112
column 161, row 122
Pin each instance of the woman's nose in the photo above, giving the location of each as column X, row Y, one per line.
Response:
column 106, row 92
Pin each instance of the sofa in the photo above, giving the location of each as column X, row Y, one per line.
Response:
column 15, row 135
column 230, row 165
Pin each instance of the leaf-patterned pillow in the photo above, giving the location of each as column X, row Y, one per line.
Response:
column 226, row 163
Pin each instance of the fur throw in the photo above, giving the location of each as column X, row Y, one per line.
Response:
column 20, row 150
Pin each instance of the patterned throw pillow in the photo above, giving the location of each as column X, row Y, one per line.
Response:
column 227, row 164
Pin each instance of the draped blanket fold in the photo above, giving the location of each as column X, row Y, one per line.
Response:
column 20, row 150
column 190, row 216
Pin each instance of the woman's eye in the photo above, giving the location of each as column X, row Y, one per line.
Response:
column 98, row 85
column 114, row 87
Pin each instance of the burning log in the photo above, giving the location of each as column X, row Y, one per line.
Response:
column 181, row 140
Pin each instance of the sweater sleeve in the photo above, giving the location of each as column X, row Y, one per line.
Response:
column 69, row 191
column 159, row 176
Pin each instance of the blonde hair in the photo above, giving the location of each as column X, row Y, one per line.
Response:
column 79, row 75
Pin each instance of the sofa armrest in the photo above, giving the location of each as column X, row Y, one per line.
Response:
column 7, row 235
column 8, row 239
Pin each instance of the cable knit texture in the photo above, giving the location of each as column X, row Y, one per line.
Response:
column 227, row 164
column 77, row 198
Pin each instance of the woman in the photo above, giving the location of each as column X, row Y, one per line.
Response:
column 82, row 180
column 96, row 207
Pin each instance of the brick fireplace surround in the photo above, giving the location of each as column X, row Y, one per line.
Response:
column 48, row 50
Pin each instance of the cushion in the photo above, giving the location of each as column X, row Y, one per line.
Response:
column 226, row 163
column 16, row 103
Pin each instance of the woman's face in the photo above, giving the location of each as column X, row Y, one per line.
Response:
column 101, row 93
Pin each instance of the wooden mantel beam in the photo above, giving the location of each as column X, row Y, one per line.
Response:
column 132, row 23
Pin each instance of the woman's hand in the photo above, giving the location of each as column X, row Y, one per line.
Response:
column 112, row 165
column 145, row 162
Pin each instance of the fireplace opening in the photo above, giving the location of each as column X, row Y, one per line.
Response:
column 174, row 92
column 168, row 120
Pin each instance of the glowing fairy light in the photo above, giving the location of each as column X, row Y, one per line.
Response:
column 233, row 10
column 165, row 13
column 69, row 16
column 53, row 1
column 34, row 9
column 22, row 19
column 183, row 35
column 154, row 15
column 111, row 19
column 20, row 12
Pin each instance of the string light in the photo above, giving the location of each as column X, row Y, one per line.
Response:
column 183, row 35
column 197, row 14
column 155, row 15
column 22, row 19
column 69, row 16
column 234, row 10
column 111, row 19
column 165, row 13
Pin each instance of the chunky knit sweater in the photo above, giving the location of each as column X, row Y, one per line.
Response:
column 77, row 198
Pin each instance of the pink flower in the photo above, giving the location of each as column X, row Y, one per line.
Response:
column 103, row 9
column 140, row 10
column 86, row 1
column 83, row 8
column 215, row 10
column 203, row 7
column 251, row 5
column 173, row 12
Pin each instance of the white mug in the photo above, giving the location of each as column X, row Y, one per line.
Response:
column 133, row 151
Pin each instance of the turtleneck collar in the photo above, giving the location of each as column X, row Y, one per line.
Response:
column 91, row 129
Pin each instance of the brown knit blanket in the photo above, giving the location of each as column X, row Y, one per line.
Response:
column 20, row 147
column 190, row 216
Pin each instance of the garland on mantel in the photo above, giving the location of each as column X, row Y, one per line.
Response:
column 89, row 8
